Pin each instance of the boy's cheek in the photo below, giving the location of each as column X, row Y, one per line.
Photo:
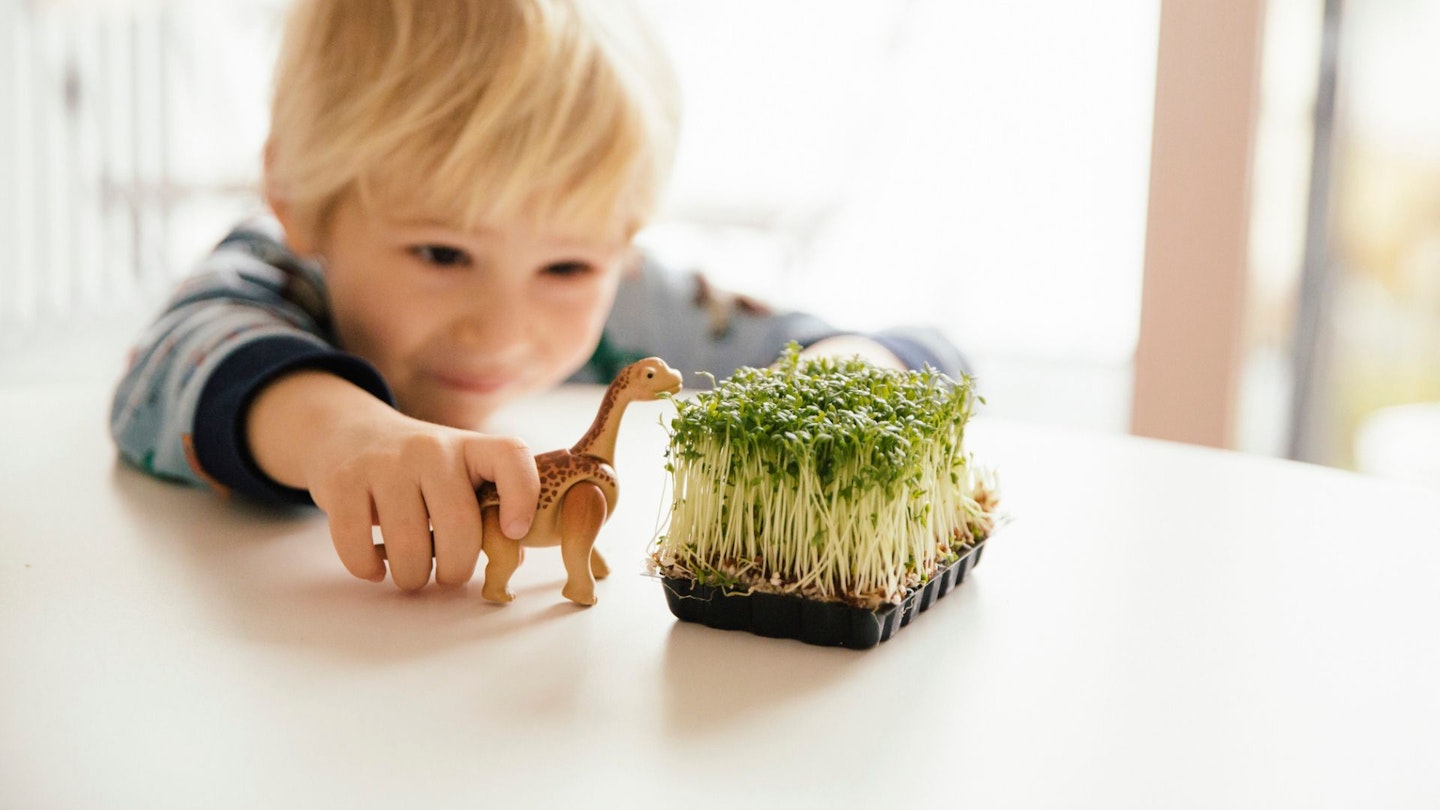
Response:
column 384, row 338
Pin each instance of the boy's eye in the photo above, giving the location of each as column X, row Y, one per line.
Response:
column 568, row 269
column 440, row 255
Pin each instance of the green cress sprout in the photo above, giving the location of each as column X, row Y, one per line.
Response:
column 829, row 479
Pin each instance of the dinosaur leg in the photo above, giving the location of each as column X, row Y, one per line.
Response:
column 597, row 564
column 581, row 515
column 503, row 556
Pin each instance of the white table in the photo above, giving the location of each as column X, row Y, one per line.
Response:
column 1159, row 626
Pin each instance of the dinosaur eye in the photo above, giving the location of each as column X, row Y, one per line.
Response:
column 649, row 374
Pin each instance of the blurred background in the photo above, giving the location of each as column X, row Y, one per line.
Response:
column 1214, row 221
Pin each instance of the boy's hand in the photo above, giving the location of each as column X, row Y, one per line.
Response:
column 366, row 464
column 854, row 346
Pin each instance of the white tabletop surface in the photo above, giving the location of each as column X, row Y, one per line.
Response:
column 1157, row 626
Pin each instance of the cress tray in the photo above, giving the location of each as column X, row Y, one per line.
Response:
column 830, row 624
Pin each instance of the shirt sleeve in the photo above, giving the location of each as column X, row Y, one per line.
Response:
column 251, row 312
column 698, row 327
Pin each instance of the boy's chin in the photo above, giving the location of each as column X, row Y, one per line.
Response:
column 466, row 418
column 463, row 415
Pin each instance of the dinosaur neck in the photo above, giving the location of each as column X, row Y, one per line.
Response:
column 599, row 440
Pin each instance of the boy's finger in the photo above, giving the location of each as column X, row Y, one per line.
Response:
column 508, row 462
column 406, row 530
column 455, row 519
column 350, row 532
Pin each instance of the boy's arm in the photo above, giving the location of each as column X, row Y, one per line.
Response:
column 698, row 327
column 251, row 314
column 238, row 385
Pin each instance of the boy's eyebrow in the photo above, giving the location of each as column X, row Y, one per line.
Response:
column 482, row 230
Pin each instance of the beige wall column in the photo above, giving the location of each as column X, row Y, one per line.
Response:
column 1187, row 360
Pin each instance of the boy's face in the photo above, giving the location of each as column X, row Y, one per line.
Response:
column 462, row 322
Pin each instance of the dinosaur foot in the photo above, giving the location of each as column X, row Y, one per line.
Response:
column 499, row 595
column 584, row 597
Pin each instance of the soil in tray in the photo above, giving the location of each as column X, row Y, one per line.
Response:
column 830, row 624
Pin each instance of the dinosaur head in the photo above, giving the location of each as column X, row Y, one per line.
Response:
column 651, row 377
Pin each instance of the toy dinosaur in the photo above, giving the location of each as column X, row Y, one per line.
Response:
column 578, row 491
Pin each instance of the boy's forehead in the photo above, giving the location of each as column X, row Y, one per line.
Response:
column 496, row 228
column 413, row 211
column 457, row 204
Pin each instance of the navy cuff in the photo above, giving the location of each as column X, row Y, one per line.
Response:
column 221, row 447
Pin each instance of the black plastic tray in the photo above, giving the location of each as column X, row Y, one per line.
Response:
column 829, row 624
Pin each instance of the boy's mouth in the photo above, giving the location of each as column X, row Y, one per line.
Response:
column 474, row 384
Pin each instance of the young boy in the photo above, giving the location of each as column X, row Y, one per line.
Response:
column 455, row 186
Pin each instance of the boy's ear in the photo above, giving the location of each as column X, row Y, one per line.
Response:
column 633, row 264
column 296, row 235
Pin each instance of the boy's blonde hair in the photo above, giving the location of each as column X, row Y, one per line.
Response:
column 554, row 112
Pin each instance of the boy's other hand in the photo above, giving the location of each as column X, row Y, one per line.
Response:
column 841, row 346
column 366, row 464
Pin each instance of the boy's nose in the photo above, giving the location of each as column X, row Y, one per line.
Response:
column 492, row 329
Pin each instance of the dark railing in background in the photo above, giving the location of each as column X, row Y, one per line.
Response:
column 93, row 97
